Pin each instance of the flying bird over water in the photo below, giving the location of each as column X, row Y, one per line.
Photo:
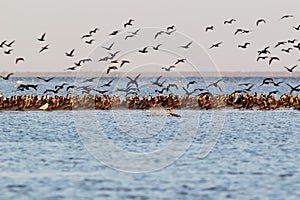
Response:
column 42, row 38
column 46, row 80
column 159, row 84
column 273, row 59
column 71, row 53
column 216, row 84
column 294, row 89
column 44, row 48
column 167, row 69
column 229, row 21
column 187, row 45
column 217, row 45
column 291, row 69
column 89, row 80
column 6, row 77
column 19, row 60
column 260, row 21
column 71, row 68
column 108, row 84
column 111, row 68
column 82, row 61
column 191, row 83
column 133, row 81
column 23, row 87
column 267, row 81
column 129, row 23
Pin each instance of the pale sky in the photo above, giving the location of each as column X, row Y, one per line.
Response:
column 66, row 21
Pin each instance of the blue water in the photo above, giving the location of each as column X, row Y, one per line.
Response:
column 256, row 156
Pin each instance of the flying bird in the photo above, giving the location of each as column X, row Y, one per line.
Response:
column 182, row 60
column 169, row 68
column 135, row 32
column 115, row 32
column 244, row 46
column 90, row 41
column 71, row 68
column 290, row 69
column 129, row 23
column 42, row 38
column 229, row 21
column 286, row 17
column 44, row 48
column 129, row 36
column 19, row 60
column 261, row 58
column 216, row 84
column 187, row 45
column 46, row 80
column 267, row 81
column 209, row 28
column 169, row 28
column 294, row 88
column 86, row 36
column 109, row 47
column 191, row 83
column 94, row 31
column 3, row 43
column 215, row 45
column 70, row 54
column 297, row 28
column 6, row 77
column 111, row 68
column 156, row 47
column 280, row 43
column 8, row 52
column 123, row 62
column 133, row 81
column 287, row 50
column 260, row 21
column 273, row 59
column 10, row 44
column 292, row 41
column 108, row 84
column 144, row 50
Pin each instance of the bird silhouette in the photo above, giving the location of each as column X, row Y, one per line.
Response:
column 187, row 45
column 115, row 32
column 156, row 47
column 209, row 28
column 291, row 69
column 23, row 87
column 61, row 86
column 292, row 41
column 169, row 28
column 297, row 28
column 129, row 23
column 181, row 60
column 171, row 85
column 297, row 46
column 42, row 38
column 272, row 59
column 113, row 55
column 244, row 46
column 229, row 21
column 286, row 17
column 51, row 90
column 287, row 50
column 217, row 45
column 108, row 84
column 159, row 84
column 168, row 68
column 264, row 51
column 160, row 91
column 123, row 62
column 133, row 81
column 294, row 89
column 44, row 48
column 90, row 41
column 6, row 77
column 260, row 21
column 8, row 52
column 241, row 31
column 19, row 60
column 101, row 91
column 89, row 80
column 267, row 81
column 280, row 44
column 129, row 36
column 86, row 36
column 261, row 58
column 111, row 68
column 249, row 88
column 71, row 68
column 3, row 43
column 144, row 50
column 159, row 33
column 70, row 54
column 46, row 80
column 135, row 32
column 10, row 44
column 94, row 31
column 216, row 84
column 82, row 61
column 277, row 84
column 191, row 83
column 109, row 47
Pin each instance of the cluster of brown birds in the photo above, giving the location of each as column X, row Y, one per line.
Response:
column 170, row 102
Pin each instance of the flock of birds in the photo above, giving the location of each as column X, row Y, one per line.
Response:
column 132, row 86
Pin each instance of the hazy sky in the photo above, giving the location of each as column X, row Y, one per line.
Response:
column 66, row 21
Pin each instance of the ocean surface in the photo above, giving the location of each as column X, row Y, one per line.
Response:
column 120, row 154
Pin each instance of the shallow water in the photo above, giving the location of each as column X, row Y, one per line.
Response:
column 256, row 156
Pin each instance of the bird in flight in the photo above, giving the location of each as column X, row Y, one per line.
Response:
column 111, row 68
column 287, row 50
column 216, row 84
column 86, row 36
column 215, row 45
column 44, row 48
column 267, row 81
column 129, row 36
column 6, row 77
column 90, row 41
column 46, row 80
column 292, row 41
column 108, row 84
column 115, row 32
column 280, row 43
column 135, row 32
column 291, row 69
column 156, row 48
column 8, row 52
column 261, row 58
column 294, row 88
column 297, row 28
column 260, row 21
column 133, row 81
column 191, row 83
column 3, row 43
column 10, row 44
column 70, row 54
column 123, row 62
column 159, row 84
column 286, row 17
column 94, row 31
column 71, row 68
column 129, row 23
column 19, row 60
column 273, row 59
column 167, row 69
column 82, row 61
column 42, row 38
column 209, row 28
column 109, row 47
column 241, row 31
column 229, row 21
column 181, row 60
column 244, row 46
column 169, row 28
column 187, row 45
column 264, row 51
column 144, row 50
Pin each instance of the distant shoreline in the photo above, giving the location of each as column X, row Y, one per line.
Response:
column 151, row 74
